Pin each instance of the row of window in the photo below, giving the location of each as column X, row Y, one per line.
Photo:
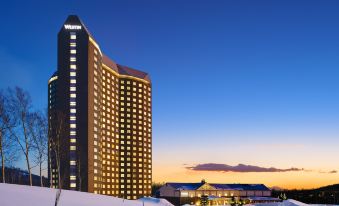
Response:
column 72, row 103
column 109, row 125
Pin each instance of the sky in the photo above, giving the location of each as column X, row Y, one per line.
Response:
column 243, row 91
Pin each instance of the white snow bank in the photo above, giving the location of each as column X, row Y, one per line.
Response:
column 288, row 202
column 22, row 195
column 156, row 201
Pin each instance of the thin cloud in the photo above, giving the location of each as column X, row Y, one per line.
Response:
column 239, row 168
column 329, row 172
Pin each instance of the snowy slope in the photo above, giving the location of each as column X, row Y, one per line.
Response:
column 288, row 202
column 22, row 195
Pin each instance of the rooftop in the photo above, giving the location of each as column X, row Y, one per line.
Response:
column 195, row 186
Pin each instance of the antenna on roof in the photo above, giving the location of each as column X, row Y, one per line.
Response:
column 203, row 181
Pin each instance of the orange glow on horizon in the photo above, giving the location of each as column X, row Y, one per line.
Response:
column 285, row 180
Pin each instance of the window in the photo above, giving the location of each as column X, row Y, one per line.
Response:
column 72, row 162
column 73, row 36
column 73, row 51
column 72, row 148
column 73, row 185
column 73, row 81
column 73, row 95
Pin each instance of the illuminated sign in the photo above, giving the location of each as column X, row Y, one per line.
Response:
column 72, row 27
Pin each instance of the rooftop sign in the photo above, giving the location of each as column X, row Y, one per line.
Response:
column 72, row 27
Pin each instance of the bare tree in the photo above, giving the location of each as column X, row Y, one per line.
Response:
column 79, row 169
column 38, row 129
column 7, row 152
column 56, row 126
column 56, row 129
column 3, row 127
column 20, row 104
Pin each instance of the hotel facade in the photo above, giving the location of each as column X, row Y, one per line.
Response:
column 215, row 194
column 100, row 120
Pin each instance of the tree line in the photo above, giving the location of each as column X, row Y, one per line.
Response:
column 23, row 133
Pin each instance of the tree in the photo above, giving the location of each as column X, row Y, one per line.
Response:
column 233, row 201
column 79, row 165
column 20, row 105
column 283, row 196
column 56, row 128
column 7, row 148
column 204, row 200
column 155, row 188
column 39, row 131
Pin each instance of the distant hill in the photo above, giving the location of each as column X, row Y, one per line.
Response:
column 323, row 195
column 334, row 187
column 21, row 177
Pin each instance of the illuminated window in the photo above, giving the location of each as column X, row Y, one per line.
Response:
column 73, row 185
column 73, row 95
column 72, row 162
column 73, row 140
column 73, row 59
column 73, row 110
column 73, row 81
column 73, row 51
column 72, row 177
column 72, row 74
column 73, row 148
column 73, row 66
column 73, row 36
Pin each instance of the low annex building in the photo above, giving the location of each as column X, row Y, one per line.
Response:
column 191, row 193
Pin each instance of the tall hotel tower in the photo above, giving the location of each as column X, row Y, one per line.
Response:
column 100, row 120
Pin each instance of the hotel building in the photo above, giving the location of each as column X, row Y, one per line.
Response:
column 100, row 115
column 215, row 194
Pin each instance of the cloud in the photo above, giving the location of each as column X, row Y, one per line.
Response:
column 329, row 172
column 239, row 168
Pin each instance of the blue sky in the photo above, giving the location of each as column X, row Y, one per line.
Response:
column 225, row 73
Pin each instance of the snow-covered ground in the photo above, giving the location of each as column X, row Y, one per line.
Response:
column 288, row 202
column 22, row 195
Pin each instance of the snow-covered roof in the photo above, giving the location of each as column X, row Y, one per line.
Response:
column 195, row 186
column 184, row 186
column 257, row 198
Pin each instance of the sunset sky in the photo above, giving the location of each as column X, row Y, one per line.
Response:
column 243, row 91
